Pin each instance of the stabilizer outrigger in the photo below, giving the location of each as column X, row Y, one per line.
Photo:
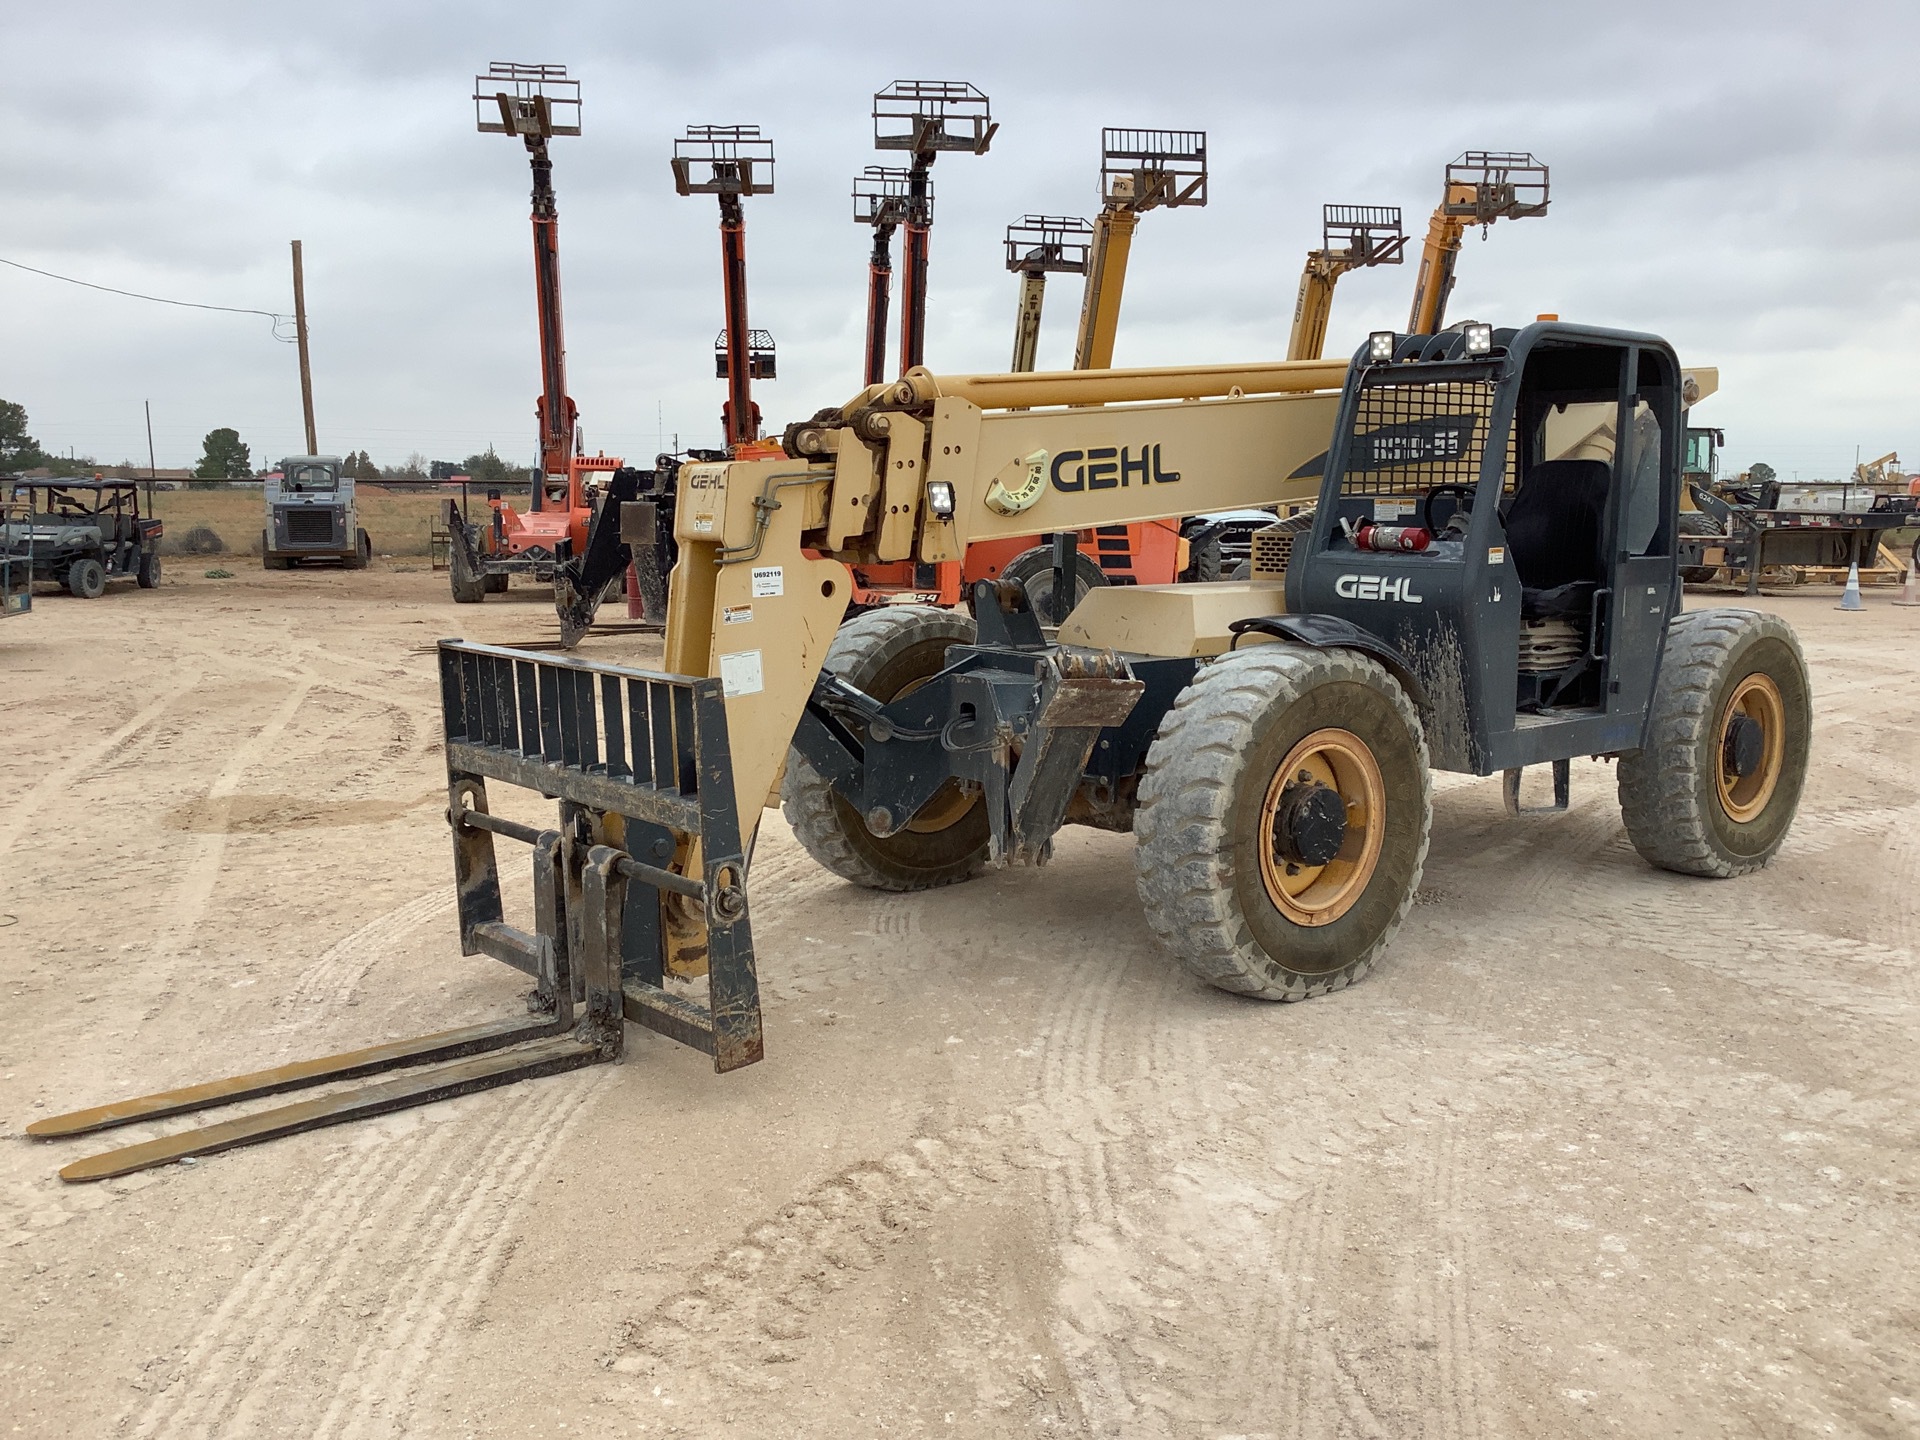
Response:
column 644, row 877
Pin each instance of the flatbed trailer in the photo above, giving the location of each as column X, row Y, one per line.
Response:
column 1804, row 539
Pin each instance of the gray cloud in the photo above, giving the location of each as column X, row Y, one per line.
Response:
column 1739, row 177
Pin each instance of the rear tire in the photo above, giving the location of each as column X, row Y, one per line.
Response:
column 1686, row 805
column 495, row 584
column 887, row 652
column 1218, row 890
column 1034, row 570
column 148, row 575
column 87, row 579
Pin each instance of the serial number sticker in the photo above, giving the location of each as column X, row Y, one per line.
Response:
column 703, row 524
column 740, row 673
column 736, row 614
column 768, row 580
column 1496, row 554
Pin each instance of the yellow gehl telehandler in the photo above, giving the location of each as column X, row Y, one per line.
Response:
column 1268, row 742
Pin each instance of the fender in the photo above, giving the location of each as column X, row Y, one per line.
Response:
column 1330, row 632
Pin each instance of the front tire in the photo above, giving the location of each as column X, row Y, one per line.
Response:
column 1717, row 786
column 87, row 579
column 362, row 555
column 886, row 653
column 1283, row 821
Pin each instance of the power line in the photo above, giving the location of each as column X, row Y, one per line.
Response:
column 278, row 320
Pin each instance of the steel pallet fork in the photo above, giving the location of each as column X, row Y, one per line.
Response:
column 640, row 766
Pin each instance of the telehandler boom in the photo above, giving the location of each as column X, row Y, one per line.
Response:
column 1267, row 742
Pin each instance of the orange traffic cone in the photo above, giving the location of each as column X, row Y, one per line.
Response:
column 1910, row 592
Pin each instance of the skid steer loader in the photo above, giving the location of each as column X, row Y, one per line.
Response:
column 1466, row 595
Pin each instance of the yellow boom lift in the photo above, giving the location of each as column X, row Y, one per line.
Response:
column 1352, row 237
column 1482, row 186
column 1140, row 170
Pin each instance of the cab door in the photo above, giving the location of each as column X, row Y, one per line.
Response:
column 1645, row 593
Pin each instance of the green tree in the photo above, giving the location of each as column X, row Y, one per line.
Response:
column 18, row 449
column 223, row 457
column 487, row 468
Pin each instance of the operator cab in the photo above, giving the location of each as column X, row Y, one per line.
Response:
column 1544, row 463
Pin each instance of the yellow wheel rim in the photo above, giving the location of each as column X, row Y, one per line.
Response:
column 1321, row 894
column 1756, row 698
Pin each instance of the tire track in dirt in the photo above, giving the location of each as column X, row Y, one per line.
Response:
column 756, row 1300
column 62, row 779
column 426, row 1217
column 201, row 870
column 440, row 1297
column 331, row 980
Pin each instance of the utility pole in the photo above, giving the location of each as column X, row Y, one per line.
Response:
column 150, row 465
column 300, row 327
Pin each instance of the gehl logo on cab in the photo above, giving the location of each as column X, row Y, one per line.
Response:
column 1108, row 467
column 1377, row 587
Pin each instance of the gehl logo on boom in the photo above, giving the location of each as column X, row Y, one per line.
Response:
column 1109, row 468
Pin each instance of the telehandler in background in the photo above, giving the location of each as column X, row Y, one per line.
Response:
column 1268, row 742
column 484, row 553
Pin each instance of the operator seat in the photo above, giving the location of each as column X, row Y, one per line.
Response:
column 1555, row 526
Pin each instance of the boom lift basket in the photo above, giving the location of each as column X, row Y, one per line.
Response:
column 640, row 765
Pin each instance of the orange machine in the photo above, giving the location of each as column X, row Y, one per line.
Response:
column 536, row 103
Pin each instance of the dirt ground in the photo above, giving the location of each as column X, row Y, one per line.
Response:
column 1596, row 1151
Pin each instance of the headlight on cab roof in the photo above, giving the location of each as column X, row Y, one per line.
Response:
column 1380, row 346
column 1479, row 339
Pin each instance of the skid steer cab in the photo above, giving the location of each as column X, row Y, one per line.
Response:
column 1486, row 583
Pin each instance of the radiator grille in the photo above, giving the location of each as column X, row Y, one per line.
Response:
column 1273, row 546
column 307, row 525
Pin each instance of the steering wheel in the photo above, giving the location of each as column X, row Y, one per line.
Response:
column 1465, row 492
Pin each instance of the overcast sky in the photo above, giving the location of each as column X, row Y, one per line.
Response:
column 1740, row 177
